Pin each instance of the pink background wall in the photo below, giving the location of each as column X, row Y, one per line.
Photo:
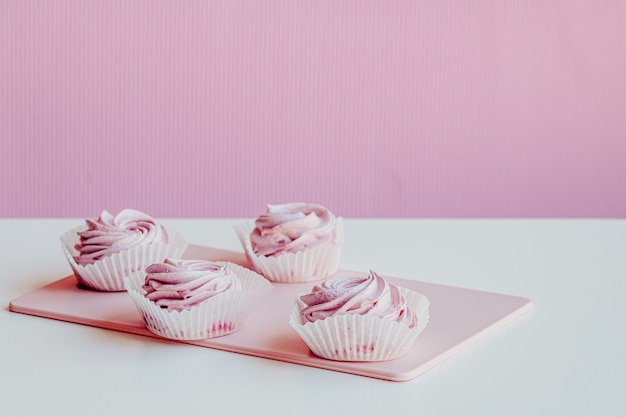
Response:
column 374, row 108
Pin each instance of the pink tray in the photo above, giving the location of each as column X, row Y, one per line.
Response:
column 458, row 318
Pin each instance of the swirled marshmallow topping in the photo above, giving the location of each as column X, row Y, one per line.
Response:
column 178, row 284
column 370, row 295
column 110, row 234
column 293, row 227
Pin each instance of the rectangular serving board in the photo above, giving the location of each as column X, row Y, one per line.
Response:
column 458, row 318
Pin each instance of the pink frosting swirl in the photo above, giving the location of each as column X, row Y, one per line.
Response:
column 178, row 284
column 370, row 295
column 110, row 234
column 293, row 227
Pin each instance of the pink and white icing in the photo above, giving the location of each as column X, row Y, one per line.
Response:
column 108, row 234
column 370, row 295
column 290, row 228
column 178, row 284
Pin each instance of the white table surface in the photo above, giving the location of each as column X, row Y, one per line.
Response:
column 566, row 357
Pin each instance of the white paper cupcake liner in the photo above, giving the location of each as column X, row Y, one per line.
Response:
column 355, row 337
column 107, row 274
column 313, row 264
column 218, row 316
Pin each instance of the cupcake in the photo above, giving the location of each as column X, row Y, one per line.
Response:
column 104, row 250
column 295, row 242
column 360, row 319
column 195, row 299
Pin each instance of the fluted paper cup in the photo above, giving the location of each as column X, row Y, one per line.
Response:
column 356, row 337
column 107, row 274
column 217, row 316
column 312, row 264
